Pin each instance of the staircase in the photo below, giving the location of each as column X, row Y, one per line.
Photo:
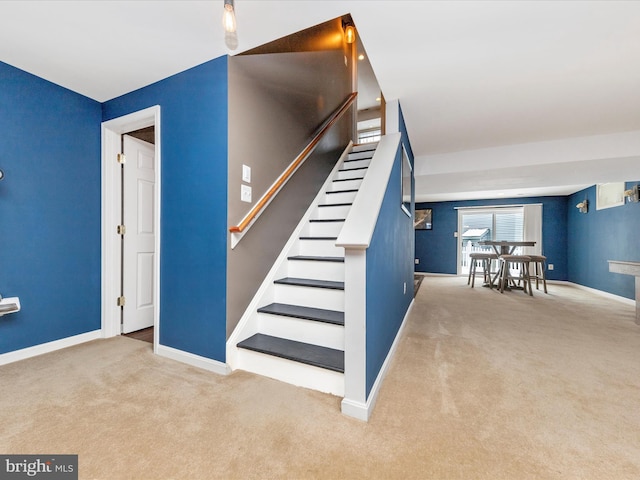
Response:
column 296, row 334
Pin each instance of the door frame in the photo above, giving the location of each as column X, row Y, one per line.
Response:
column 112, row 130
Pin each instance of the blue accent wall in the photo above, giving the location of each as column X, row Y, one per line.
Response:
column 601, row 235
column 193, row 113
column 389, row 269
column 437, row 248
column 50, row 210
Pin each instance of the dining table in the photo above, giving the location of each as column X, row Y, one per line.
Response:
column 505, row 247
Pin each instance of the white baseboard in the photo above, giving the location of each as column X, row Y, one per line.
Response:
column 362, row 411
column 429, row 274
column 48, row 347
column 193, row 360
column 357, row 410
column 602, row 293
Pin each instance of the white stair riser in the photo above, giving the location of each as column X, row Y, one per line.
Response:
column 357, row 163
column 302, row 330
column 364, row 146
column 325, row 229
column 342, row 175
column 332, row 212
column 340, row 197
column 327, row 298
column 345, row 185
column 331, row 271
column 359, row 152
column 320, row 248
column 291, row 372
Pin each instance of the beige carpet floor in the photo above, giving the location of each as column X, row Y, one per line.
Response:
column 484, row 386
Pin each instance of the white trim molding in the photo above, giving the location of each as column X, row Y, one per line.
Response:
column 362, row 410
column 111, row 189
column 602, row 293
column 49, row 347
column 193, row 360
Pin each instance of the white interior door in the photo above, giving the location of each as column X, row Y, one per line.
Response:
column 139, row 238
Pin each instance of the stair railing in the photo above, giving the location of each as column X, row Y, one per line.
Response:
column 237, row 231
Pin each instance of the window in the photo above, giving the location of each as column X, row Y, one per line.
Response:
column 369, row 136
column 476, row 225
column 609, row 195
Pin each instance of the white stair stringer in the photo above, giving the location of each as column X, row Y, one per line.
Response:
column 315, row 236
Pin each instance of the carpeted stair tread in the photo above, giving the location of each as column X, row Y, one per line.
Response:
column 315, row 355
column 316, row 258
column 310, row 282
column 308, row 313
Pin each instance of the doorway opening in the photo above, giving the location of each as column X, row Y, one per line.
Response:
column 131, row 223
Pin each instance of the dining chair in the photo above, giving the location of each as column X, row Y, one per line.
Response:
column 485, row 259
column 523, row 261
column 539, row 268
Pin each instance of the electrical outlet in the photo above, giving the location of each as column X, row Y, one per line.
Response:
column 455, row 234
column 245, row 193
column 550, row 266
column 417, row 261
column 246, row 173
column 405, row 288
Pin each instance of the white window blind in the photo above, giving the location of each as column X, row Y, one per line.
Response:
column 509, row 226
column 503, row 224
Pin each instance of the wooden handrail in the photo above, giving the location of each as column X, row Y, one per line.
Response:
column 335, row 116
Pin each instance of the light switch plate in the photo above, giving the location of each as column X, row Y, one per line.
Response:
column 246, row 173
column 245, row 193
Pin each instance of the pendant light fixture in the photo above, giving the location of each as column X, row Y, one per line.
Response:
column 349, row 30
column 229, row 24
column 350, row 34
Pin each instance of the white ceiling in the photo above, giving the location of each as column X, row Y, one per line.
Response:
column 470, row 75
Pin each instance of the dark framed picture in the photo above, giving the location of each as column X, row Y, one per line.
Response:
column 423, row 219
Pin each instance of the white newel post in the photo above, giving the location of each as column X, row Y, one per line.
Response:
column 354, row 403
